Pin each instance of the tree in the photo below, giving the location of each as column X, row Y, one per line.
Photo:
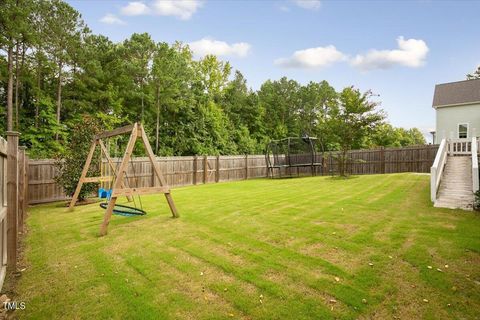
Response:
column 135, row 60
column 212, row 75
column 279, row 101
column 474, row 75
column 172, row 75
column 62, row 26
column 388, row 136
column 244, row 115
column 351, row 120
column 14, row 15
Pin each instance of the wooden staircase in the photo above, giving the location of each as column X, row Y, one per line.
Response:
column 455, row 190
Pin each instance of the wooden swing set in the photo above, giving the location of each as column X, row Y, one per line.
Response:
column 119, row 187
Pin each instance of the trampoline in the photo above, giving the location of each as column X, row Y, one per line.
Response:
column 292, row 154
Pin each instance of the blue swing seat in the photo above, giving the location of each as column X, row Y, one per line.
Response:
column 104, row 193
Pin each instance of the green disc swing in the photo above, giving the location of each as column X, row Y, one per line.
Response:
column 119, row 209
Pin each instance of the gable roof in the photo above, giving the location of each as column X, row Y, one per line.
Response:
column 457, row 93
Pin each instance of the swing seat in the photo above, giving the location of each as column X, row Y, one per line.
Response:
column 104, row 193
column 123, row 210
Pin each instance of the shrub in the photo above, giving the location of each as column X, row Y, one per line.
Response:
column 476, row 202
column 70, row 162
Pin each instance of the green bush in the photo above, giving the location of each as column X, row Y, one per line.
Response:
column 476, row 203
column 70, row 162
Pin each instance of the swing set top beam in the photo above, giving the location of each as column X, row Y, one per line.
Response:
column 115, row 132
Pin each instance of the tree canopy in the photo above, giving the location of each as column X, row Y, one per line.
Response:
column 474, row 75
column 54, row 71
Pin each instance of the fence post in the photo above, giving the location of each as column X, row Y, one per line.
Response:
column 205, row 169
column 21, row 187
column 12, row 199
column 324, row 163
column 382, row 159
column 246, row 166
column 217, row 174
column 194, row 177
column 25, row 186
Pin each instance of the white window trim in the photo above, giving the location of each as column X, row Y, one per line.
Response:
column 458, row 129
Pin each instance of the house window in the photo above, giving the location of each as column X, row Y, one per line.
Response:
column 463, row 130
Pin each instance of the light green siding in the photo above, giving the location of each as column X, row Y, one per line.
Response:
column 448, row 119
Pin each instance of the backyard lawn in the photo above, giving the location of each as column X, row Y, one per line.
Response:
column 370, row 247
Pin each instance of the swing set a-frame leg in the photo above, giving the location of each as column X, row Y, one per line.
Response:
column 83, row 175
column 108, row 215
column 171, row 204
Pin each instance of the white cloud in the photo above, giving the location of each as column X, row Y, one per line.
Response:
column 111, row 19
column 135, row 8
column 312, row 58
column 308, row 4
column 182, row 9
column 410, row 53
column 219, row 48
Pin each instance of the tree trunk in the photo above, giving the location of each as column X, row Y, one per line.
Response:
column 21, row 74
column 59, row 94
column 141, row 92
column 10, row 89
column 39, row 88
column 158, row 120
column 17, row 84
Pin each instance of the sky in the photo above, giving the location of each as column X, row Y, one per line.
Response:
column 397, row 49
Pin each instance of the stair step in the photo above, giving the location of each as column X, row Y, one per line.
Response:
column 455, row 190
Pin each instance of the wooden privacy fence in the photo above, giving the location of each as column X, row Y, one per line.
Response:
column 13, row 200
column 192, row 170
column 178, row 171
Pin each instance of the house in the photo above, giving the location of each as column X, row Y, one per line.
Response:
column 454, row 175
column 457, row 106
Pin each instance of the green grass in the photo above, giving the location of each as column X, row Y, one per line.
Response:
column 308, row 248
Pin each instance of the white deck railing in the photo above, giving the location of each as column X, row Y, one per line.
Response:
column 459, row 147
column 475, row 177
column 437, row 169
